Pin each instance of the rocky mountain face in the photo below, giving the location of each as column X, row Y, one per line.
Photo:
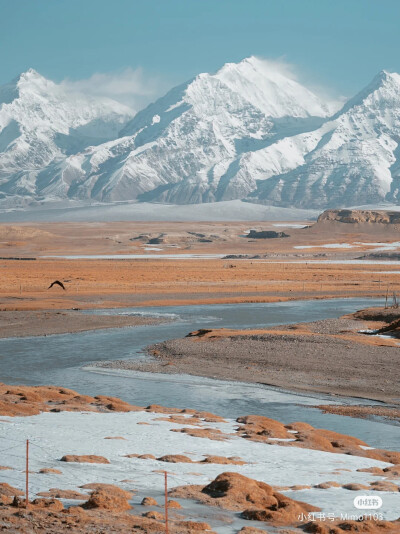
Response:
column 248, row 132
column 41, row 123
column 350, row 159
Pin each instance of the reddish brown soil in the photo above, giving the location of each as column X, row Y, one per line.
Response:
column 47, row 516
column 175, row 459
column 340, row 527
column 174, row 504
column 208, row 433
column 9, row 491
column 50, row 471
column 260, row 502
column 355, row 487
column 106, row 283
column 31, row 400
column 232, row 460
column 259, row 428
column 362, row 411
column 96, row 486
column 113, row 499
column 384, row 485
column 56, row 493
column 149, row 501
column 327, row 485
column 254, row 499
column 141, row 456
column 88, row 459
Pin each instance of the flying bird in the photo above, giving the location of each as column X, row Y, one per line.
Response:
column 56, row 282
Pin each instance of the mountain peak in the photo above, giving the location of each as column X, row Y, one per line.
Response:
column 247, row 66
column 29, row 76
column 384, row 77
column 30, row 73
column 31, row 81
column 384, row 85
column 272, row 88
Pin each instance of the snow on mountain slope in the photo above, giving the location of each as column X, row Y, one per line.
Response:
column 186, row 147
column 266, row 86
column 41, row 121
column 352, row 159
column 249, row 131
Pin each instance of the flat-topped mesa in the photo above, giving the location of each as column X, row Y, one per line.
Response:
column 360, row 216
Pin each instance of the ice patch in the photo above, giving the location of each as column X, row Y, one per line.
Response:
column 335, row 262
column 288, row 225
column 328, row 245
column 51, row 437
column 139, row 256
column 382, row 247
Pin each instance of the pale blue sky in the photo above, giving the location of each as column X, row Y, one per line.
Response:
column 336, row 43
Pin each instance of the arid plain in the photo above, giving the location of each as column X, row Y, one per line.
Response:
column 179, row 263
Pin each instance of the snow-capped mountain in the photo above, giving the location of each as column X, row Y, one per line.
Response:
column 349, row 160
column 249, row 131
column 186, row 147
column 41, row 122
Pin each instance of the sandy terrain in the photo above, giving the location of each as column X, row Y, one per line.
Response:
column 324, row 356
column 255, row 270
column 110, row 283
column 361, row 411
column 47, row 322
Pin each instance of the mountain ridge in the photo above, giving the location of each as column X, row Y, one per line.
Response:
column 249, row 131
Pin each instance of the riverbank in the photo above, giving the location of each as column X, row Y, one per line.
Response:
column 328, row 356
column 48, row 322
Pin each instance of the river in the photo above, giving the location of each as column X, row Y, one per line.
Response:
column 66, row 360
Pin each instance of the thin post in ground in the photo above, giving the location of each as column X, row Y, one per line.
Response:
column 27, row 475
column 166, row 501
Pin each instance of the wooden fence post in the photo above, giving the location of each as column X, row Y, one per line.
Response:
column 166, row 501
column 27, row 475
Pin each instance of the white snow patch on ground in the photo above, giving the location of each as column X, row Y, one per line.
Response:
column 329, row 245
column 288, row 225
column 382, row 247
column 336, row 262
column 140, row 256
column 53, row 435
column 378, row 247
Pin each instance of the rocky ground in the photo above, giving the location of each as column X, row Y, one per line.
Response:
column 48, row 322
column 328, row 356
